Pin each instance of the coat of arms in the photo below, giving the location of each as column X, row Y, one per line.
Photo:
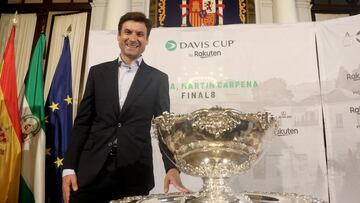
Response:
column 30, row 126
column 3, row 137
column 202, row 12
column 195, row 13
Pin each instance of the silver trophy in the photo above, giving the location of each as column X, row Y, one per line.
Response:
column 215, row 144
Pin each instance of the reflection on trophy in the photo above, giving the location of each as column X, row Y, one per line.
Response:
column 215, row 144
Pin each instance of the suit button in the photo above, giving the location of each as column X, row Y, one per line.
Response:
column 110, row 144
column 119, row 125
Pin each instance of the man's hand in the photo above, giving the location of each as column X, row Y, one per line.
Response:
column 173, row 177
column 67, row 182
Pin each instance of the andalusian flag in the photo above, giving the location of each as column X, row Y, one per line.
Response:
column 32, row 183
column 10, row 137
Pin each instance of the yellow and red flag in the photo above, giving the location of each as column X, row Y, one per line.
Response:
column 10, row 134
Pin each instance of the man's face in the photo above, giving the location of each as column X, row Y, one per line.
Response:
column 132, row 40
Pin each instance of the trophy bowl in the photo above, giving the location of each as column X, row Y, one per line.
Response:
column 214, row 144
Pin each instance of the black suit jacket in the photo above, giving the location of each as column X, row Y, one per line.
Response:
column 99, row 120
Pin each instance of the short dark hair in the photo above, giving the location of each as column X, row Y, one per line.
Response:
column 137, row 17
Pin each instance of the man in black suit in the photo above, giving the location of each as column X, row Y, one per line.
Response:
column 110, row 154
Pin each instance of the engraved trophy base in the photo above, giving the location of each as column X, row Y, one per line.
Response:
column 215, row 190
column 245, row 197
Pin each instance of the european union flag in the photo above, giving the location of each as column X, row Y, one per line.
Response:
column 59, row 110
column 200, row 12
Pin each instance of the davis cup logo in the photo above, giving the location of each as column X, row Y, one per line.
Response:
column 30, row 126
column 202, row 12
column 170, row 45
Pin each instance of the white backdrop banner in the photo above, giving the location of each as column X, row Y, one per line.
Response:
column 339, row 62
column 250, row 68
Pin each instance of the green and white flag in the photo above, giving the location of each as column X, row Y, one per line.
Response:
column 32, row 183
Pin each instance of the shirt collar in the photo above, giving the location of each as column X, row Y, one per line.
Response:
column 135, row 64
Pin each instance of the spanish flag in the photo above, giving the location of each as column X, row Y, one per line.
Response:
column 10, row 137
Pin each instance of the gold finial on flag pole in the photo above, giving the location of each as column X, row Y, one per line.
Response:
column 15, row 18
column 68, row 31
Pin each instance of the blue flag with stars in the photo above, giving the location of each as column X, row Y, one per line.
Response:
column 59, row 110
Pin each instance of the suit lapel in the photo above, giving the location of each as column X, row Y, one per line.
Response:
column 139, row 83
column 110, row 77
